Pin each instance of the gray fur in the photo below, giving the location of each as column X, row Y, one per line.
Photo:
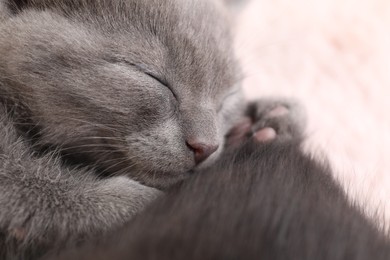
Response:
column 3, row 11
column 98, row 99
column 74, row 85
column 43, row 202
column 268, row 202
column 77, row 79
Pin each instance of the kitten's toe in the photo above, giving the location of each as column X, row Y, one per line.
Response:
column 239, row 133
column 266, row 134
column 278, row 111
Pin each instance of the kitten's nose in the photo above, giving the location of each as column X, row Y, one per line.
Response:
column 201, row 150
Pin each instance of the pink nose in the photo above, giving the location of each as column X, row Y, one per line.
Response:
column 201, row 150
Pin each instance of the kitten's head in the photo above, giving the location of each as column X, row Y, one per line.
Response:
column 144, row 87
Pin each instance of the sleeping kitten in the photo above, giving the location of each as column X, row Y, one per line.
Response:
column 270, row 202
column 105, row 103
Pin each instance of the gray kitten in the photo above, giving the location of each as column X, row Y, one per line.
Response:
column 103, row 104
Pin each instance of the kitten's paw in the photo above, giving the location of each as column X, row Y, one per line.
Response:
column 124, row 195
column 270, row 120
column 281, row 119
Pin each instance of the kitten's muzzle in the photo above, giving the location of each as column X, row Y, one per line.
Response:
column 201, row 150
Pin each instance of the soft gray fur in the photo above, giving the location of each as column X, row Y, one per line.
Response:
column 84, row 75
column 3, row 10
column 99, row 100
column 41, row 202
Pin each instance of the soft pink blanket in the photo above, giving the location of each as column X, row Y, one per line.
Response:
column 334, row 56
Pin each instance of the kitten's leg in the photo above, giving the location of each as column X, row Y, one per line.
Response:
column 270, row 119
column 43, row 204
column 40, row 213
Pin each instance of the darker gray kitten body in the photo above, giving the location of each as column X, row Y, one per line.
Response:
column 146, row 89
column 269, row 202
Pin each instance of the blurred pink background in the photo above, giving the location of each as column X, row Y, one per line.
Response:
column 334, row 56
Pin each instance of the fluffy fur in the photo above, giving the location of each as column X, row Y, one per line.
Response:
column 114, row 71
column 44, row 203
column 91, row 90
column 259, row 202
column 101, row 102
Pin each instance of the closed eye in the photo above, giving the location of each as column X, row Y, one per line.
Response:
column 144, row 70
column 161, row 81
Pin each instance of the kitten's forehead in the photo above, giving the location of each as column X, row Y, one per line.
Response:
column 199, row 45
column 185, row 41
column 188, row 41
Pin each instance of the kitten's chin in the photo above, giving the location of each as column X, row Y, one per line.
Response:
column 162, row 180
column 164, row 174
column 165, row 181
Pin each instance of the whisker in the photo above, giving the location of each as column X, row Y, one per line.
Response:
column 118, row 148
column 126, row 169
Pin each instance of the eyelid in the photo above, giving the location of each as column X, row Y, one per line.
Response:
column 142, row 69
column 163, row 82
column 146, row 71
